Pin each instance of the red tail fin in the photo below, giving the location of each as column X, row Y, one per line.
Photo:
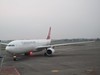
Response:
column 49, row 33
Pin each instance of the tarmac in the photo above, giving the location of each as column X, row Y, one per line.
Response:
column 83, row 59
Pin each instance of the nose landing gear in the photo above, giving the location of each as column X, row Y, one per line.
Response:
column 14, row 58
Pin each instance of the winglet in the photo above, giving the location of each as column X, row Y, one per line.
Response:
column 49, row 34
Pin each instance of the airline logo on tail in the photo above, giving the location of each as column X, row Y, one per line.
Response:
column 49, row 34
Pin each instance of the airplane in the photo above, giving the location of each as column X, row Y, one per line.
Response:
column 27, row 47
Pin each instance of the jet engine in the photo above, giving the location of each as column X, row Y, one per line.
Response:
column 49, row 51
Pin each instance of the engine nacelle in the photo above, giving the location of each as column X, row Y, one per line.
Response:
column 49, row 51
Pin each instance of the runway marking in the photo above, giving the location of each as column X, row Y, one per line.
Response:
column 54, row 70
column 11, row 70
column 17, row 71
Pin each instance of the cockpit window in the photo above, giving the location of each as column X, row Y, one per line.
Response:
column 11, row 45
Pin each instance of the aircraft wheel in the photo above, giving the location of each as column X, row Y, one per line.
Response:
column 14, row 58
column 45, row 54
column 26, row 54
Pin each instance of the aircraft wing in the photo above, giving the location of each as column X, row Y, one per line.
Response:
column 42, row 47
column 64, row 44
column 74, row 43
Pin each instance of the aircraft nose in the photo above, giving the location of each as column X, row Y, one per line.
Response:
column 10, row 49
column 7, row 48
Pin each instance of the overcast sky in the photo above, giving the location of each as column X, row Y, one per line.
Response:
column 31, row 19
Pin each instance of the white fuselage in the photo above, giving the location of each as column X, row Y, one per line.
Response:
column 22, row 46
